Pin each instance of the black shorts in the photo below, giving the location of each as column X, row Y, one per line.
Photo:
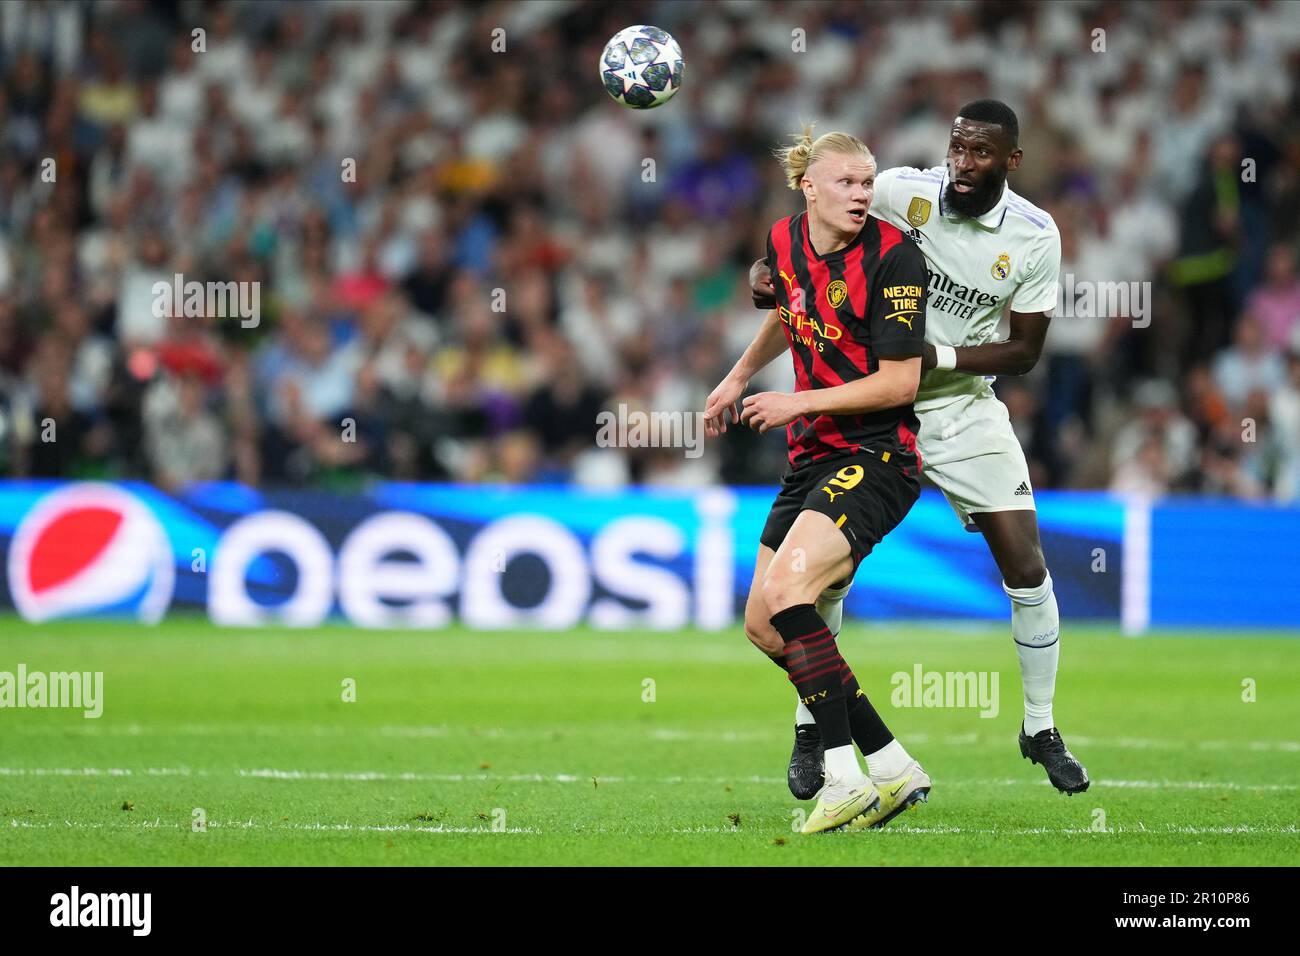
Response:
column 864, row 496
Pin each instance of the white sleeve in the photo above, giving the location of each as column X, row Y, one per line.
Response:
column 882, row 200
column 1040, row 288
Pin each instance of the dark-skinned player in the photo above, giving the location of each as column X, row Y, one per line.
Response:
column 988, row 252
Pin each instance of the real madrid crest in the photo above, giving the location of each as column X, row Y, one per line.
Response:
column 836, row 293
column 1002, row 268
column 918, row 211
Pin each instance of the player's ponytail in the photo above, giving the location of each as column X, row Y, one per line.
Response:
column 797, row 158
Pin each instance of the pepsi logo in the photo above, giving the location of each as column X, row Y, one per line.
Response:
column 91, row 549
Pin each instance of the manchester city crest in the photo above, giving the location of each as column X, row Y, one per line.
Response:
column 836, row 293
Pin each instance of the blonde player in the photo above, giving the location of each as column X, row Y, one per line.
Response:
column 987, row 250
column 850, row 312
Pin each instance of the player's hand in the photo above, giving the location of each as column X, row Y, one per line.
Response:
column 929, row 359
column 723, row 401
column 770, row 410
column 760, row 285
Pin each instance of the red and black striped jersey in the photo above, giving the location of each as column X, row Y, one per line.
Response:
column 842, row 313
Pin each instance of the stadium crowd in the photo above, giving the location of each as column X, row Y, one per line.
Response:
column 464, row 250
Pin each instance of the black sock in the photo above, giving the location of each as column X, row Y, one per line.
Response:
column 869, row 731
column 813, row 662
column 780, row 662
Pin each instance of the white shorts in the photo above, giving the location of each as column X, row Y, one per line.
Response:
column 970, row 452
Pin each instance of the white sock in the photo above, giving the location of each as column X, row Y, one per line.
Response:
column 1036, row 629
column 830, row 605
column 831, row 608
column 842, row 764
column 802, row 715
column 888, row 762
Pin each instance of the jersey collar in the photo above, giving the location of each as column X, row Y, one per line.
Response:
column 990, row 220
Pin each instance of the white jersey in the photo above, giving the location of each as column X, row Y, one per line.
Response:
column 1011, row 254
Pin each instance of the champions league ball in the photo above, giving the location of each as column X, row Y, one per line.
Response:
column 641, row 67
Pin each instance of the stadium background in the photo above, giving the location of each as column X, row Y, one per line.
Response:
column 463, row 259
column 405, row 440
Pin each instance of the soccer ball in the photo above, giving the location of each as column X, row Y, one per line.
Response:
column 641, row 67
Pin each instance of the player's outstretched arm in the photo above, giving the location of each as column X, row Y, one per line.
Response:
column 1016, row 356
column 767, row 345
column 893, row 384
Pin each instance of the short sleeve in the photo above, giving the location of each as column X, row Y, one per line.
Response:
column 896, row 311
column 1040, row 288
column 883, row 197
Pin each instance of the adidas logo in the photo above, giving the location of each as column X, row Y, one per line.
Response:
column 915, row 236
column 1024, row 489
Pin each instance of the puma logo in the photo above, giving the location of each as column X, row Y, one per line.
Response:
column 833, row 494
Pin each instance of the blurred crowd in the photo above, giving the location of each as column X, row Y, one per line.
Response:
column 464, row 250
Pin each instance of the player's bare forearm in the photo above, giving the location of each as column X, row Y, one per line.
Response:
column 893, row 384
column 993, row 358
column 767, row 345
column 723, row 401
column 1016, row 356
column 890, row 386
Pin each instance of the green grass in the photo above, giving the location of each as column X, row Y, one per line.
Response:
column 452, row 727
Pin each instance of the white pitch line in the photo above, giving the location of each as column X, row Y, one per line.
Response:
column 1119, row 830
column 381, row 776
column 658, row 734
column 253, row 825
column 407, row 776
column 941, row 830
column 1190, row 785
column 98, row 772
column 900, row 831
column 1138, row 784
column 1166, row 743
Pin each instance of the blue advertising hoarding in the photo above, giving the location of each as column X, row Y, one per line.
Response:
column 424, row 556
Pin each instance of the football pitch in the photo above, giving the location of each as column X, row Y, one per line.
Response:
column 226, row 747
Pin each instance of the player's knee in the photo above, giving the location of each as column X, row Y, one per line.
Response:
column 763, row 636
column 782, row 589
column 1028, row 572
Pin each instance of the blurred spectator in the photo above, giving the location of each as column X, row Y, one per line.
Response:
column 1145, row 474
column 1276, row 303
column 91, row 356
column 1206, row 256
column 1284, row 412
column 138, row 321
column 185, row 441
column 1248, row 365
column 427, row 282
column 1223, row 469
column 58, row 440
column 1186, row 128
column 561, row 412
column 1158, row 425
